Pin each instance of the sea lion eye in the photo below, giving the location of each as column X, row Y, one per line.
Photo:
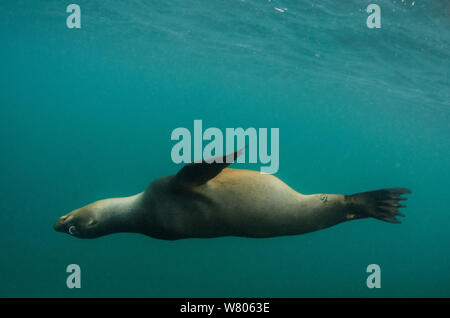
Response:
column 72, row 230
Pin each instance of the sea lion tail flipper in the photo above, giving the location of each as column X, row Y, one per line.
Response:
column 380, row 204
column 199, row 172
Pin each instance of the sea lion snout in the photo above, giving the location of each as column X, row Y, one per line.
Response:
column 79, row 223
column 60, row 225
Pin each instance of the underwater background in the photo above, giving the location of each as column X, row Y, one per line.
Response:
column 87, row 114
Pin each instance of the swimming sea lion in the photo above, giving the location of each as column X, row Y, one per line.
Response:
column 205, row 200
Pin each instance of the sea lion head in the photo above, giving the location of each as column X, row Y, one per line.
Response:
column 83, row 222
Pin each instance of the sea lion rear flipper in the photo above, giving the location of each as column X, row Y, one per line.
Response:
column 199, row 172
column 380, row 204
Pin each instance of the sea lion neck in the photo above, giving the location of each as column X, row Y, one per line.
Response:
column 120, row 214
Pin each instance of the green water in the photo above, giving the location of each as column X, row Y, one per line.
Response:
column 86, row 114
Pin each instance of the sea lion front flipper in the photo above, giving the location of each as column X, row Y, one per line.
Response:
column 199, row 172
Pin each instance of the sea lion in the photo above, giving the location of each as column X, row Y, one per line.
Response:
column 206, row 199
